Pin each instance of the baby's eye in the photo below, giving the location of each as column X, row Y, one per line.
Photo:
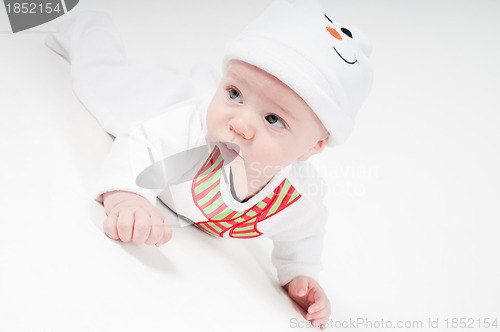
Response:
column 275, row 120
column 235, row 95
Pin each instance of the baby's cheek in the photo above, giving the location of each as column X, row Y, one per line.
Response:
column 275, row 158
column 212, row 125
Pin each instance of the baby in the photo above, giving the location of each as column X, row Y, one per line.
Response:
column 232, row 162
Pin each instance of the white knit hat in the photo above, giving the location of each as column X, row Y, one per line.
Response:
column 324, row 62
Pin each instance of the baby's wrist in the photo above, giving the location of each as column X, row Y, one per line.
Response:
column 112, row 198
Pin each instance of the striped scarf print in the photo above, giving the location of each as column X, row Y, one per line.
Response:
column 205, row 190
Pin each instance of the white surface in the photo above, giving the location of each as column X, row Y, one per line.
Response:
column 414, row 195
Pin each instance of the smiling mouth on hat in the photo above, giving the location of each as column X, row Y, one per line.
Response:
column 349, row 62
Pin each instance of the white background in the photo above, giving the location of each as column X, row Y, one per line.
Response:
column 414, row 194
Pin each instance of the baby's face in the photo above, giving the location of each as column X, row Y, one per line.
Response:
column 257, row 115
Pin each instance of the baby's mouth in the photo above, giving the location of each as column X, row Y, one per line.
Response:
column 231, row 150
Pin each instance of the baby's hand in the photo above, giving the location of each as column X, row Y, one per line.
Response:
column 132, row 217
column 307, row 293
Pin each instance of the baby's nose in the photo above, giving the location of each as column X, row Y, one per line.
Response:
column 334, row 33
column 242, row 127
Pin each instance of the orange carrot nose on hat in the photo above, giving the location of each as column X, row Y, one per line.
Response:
column 324, row 62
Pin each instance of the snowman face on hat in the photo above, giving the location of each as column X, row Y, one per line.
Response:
column 342, row 39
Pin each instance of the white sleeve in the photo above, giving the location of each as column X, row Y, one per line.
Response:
column 179, row 129
column 117, row 91
column 298, row 249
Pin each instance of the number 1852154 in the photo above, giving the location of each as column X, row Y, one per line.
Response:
column 33, row 8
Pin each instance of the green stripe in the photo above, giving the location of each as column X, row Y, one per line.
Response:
column 208, row 196
column 210, row 169
column 223, row 214
column 215, row 205
column 208, row 230
column 239, row 220
column 202, row 175
column 217, row 162
column 251, row 213
column 207, row 183
column 261, row 205
column 204, row 226
column 294, row 195
column 212, row 160
column 246, row 234
column 217, row 228
column 252, row 226
column 225, row 224
column 237, row 215
column 276, row 204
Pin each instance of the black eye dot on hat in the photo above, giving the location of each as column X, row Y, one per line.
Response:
column 347, row 32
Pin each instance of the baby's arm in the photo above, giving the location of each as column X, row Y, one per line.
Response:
column 297, row 257
column 132, row 217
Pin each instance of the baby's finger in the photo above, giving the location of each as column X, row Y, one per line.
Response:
column 125, row 224
column 167, row 235
column 319, row 315
column 142, row 226
column 156, row 230
column 109, row 226
column 320, row 322
column 320, row 302
column 298, row 286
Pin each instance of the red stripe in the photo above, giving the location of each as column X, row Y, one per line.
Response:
column 266, row 210
column 255, row 209
column 246, row 217
column 199, row 180
column 204, row 168
column 210, row 161
column 284, row 200
column 246, row 237
column 279, row 188
column 222, row 226
column 296, row 198
column 264, row 213
column 216, row 152
column 211, row 200
column 243, row 232
column 238, row 227
column 208, row 175
column 213, row 230
column 230, row 216
column 206, row 191
column 245, row 223
column 231, row 232
column 203, row 225
column 217, row 211
column 283, row 204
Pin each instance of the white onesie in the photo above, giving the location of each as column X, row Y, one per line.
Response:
column 162, row 150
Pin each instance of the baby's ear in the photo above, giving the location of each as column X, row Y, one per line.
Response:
column 317, row 148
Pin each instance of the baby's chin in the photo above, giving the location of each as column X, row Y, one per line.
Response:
column 262, row 170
